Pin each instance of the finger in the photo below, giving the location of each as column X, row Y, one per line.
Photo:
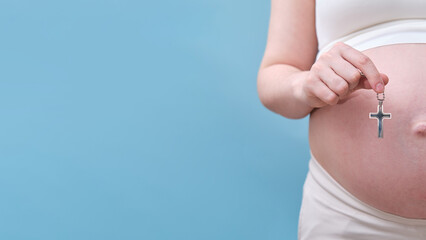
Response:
column 364, row 63
column 347, row 71
column 334, row 82
column 364, row 84
column 385, row 78
column 323, row 93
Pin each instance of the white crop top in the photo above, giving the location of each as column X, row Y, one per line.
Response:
column 365, row 24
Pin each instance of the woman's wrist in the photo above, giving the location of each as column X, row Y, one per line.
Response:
column 281, row 90
column 300, row 107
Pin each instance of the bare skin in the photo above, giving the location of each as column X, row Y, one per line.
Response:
column 390, row 173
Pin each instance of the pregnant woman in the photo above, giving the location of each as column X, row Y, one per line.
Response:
column 334, row 59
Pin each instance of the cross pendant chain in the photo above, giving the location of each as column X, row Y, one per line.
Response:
column 380, row 115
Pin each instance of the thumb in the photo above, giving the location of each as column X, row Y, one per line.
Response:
column 364, row 84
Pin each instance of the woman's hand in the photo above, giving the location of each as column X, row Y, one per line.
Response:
column 339, row 72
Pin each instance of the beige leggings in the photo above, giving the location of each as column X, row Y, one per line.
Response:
column 329, row 212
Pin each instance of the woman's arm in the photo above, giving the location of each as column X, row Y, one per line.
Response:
column 290, row 82
column 290, row 52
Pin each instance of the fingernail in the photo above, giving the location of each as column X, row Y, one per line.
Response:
column 379, row 87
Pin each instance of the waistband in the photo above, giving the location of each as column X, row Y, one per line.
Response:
column 394, row 32
column 335, row 190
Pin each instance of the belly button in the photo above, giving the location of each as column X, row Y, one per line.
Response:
column 420, row 129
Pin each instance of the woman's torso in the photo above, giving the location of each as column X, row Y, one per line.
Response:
column 388, row 173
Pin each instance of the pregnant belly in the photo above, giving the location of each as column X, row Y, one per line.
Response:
column 387, row 173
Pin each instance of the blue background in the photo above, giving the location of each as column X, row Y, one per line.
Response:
column 141, row 120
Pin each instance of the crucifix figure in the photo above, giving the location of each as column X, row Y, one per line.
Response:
column 380, row 115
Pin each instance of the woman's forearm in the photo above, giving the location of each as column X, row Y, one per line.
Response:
column 280, row 90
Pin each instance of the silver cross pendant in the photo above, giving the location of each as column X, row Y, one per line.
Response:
column 380, row 115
